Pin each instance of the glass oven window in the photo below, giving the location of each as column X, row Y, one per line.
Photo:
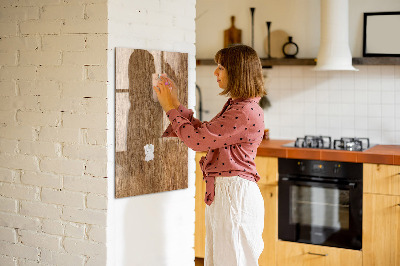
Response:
column 318, row 207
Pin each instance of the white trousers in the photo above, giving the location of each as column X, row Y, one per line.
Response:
column 234, row 223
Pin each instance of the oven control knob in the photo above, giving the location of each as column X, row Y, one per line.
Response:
column 336, row 169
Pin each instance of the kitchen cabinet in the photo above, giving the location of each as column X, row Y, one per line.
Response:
column 381, row 215
column 298, row 254
column 381, row 179
column 267, row 168
column 200, row 208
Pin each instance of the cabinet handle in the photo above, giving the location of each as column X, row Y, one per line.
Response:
column 318, row 254
column 398, row 204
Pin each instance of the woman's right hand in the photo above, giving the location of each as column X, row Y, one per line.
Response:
column 174, row 90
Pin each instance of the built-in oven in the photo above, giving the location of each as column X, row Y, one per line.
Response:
column 320, row 202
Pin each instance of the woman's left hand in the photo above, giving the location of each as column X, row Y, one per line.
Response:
column 163, row 92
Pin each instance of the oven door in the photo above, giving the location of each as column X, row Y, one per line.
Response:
column 321, row 212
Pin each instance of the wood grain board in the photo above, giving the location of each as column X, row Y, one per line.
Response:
column 140, row 122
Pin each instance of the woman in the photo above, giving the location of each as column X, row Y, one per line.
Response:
column 235, row 207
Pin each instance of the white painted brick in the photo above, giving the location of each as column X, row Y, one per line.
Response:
column 95, row 136
column 84, row 247
column 184, row 23
column 94, row 168
column 39, row 118
column 84, row 26
column 97, row 11
column 67, row 135
column 67, row 42
column 96, row 73
column 8, row 261
column 18, row 161
column 160, row 19
column 41, row 179
column 25, row 262
column 7, row 117
column 88, row 57
column 18, row 13
column 63, row 197
column 40, row 27
column 62, row 166
column 20, row 43
column 25, row 103
column 40, row 58
column 97, row 233
column 8, row 146
column 86, row 184
column 38, row 209
column 35, row 239
column 73, row 104
column 60, row 73
column 19, row 250
column 17, row 132
column 8, row 234
column 40, row 148
column 98, row 121
column 17, row 191
column 8, row 58
column 7, row 175
column 39, row 87
column 61, row 259
column 29, row 2
column 53, row 227
column 99, row 260
column 62, row 12
column 85, row 152
column 87, row 88
column 19, row 221
column 94, row 201
column 96, row 41
column 7, row 88
column 174, row 8
column 75, row 230
column 8, row 205
column 18, row 72
column 88, row 216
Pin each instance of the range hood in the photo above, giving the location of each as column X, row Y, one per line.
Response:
column 334, row 51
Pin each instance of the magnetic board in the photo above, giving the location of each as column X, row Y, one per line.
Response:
column 144, row 162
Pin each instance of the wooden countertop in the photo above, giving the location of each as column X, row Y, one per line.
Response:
column 379, row 154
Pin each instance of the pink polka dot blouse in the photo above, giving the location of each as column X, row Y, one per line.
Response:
column 231, row 139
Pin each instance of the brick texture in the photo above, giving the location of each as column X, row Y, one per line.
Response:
column 53, row 109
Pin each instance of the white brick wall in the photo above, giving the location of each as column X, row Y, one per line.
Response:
column 53, row 108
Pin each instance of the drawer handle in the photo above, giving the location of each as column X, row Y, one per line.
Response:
column 318, row 254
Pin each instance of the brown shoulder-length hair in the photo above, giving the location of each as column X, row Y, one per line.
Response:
column 245, row 78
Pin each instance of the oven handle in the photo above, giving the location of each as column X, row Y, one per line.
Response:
column 297, row 181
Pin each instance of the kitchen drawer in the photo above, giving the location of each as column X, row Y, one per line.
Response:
column 381, row 179
column 298, row 254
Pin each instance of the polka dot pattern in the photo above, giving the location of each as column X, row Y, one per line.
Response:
column 231, row 139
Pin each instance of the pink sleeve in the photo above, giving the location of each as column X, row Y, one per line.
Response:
column 186, row 113
column 223, row 131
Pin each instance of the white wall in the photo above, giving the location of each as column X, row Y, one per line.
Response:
column 53, row 106
column 338, row 104
column 155, row 229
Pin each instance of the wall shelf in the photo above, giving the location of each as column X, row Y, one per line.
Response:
column 312, row 61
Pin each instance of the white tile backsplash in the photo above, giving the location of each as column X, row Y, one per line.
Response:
column 364, row 103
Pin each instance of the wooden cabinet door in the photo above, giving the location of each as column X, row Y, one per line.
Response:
column 381, row 179
column 267, row 168
column 298, row 254
column 200, row 207
column 270, row 233
column 381, row 230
